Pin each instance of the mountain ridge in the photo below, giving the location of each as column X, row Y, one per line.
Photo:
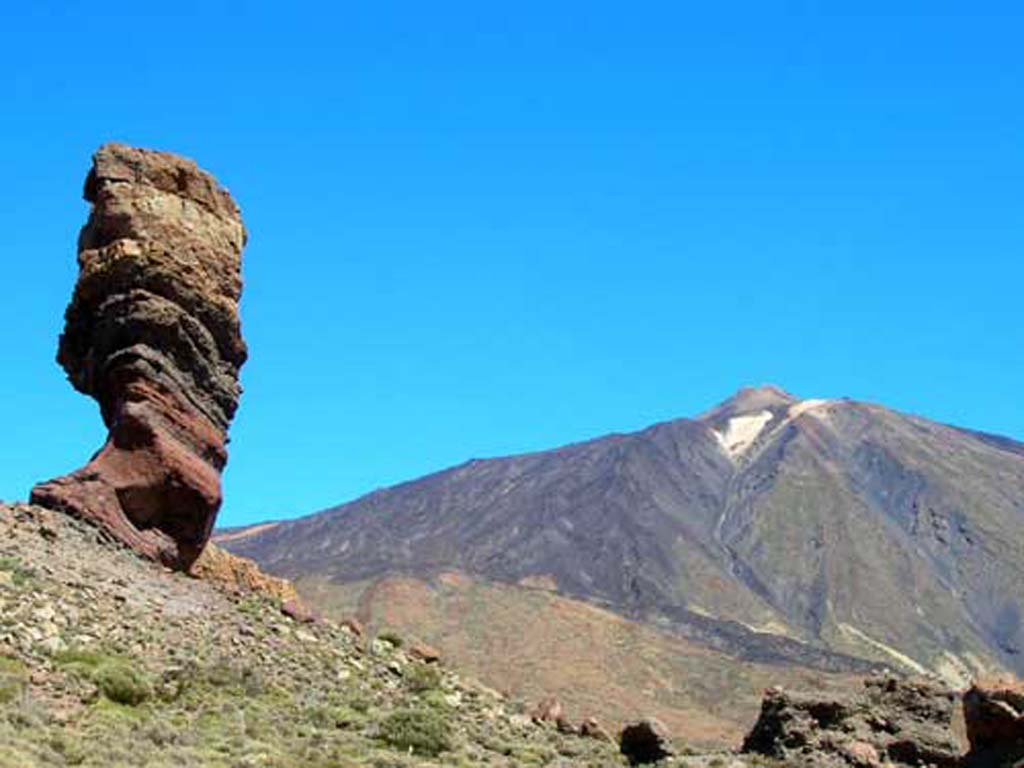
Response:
column 829, row 534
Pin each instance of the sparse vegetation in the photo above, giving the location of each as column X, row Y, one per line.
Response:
column 12, row 679
column 119, row 679
column 422, row 678
column 18, row 573
column 149, row 668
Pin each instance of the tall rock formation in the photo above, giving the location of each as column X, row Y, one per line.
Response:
column 153, row 334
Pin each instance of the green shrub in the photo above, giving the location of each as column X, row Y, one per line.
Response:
column 12, row 679
column 422, row 732
column 533, row 754
column 360, row 702
column 117, row 678
column 435, row 699
column 79, row 659
column 420, row 677
column 19, row 573
column 122, row 683
column 390, row 636
column 69, row 747
column 226, row 673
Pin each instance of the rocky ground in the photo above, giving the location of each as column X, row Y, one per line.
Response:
column 108, row 660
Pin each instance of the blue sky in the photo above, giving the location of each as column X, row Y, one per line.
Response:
column 478, row 230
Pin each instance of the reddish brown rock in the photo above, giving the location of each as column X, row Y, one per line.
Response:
column 425, row 653
column 548, row 711
column 299, row 611
column 240, row 575
column 354, row 626
column 591, row 728
column 860, row 753
column 994, row 716
column 152, row 333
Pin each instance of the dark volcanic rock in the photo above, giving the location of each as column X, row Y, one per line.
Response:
column 994, row 716
column 900, row 721
column 647, row 741
column 152, row 333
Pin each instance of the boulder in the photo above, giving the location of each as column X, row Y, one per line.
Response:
column 591, row 728
column 862, row 754
column 152, row 333
column 550, row 710
column 428, row 654
column 298, row 611
column 355, row 626
column 647, row 741
column 994, row 717
column 890, row 720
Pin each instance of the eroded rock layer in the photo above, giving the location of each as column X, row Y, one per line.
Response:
column 153, row 334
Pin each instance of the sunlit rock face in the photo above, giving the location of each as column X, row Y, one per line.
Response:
column 153, row 334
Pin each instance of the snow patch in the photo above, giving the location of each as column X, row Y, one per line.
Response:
column 741, row 431
column 808, row 406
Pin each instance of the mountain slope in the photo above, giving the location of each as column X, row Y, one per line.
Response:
column 533, row 643
column 108, row 661
column 809, row 532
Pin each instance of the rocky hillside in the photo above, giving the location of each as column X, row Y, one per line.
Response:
column 109, row 660
column 827, row 534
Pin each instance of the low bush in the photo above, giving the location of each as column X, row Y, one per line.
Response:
column 390, row 636
column 122, row 683
column 12, row 679
column 117, row 678
column 19, row 573
column 420, row 678
column 422, row 732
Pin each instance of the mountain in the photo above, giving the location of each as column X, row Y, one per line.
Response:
column 109, row 660
column 821, row 534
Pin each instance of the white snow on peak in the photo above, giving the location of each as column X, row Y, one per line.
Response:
column 741, row 431
column 805, row 406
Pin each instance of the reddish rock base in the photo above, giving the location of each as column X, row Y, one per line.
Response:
column 146, row 487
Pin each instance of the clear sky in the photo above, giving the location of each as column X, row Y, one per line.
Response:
column 485, row 228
